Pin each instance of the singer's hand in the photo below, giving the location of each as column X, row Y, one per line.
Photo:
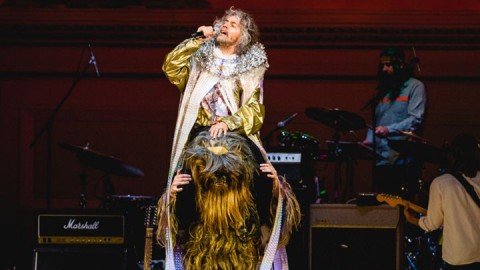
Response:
column 208, row 32
column 218, row 129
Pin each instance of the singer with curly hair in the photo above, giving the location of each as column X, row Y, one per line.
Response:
column 219, row 72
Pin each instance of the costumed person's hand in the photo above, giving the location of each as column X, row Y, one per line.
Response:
column 208, row 32
column 381, row 131
column 269, row 170
column 218, row 129
column 179, row 180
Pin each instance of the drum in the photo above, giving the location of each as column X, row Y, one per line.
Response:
column 300, row 141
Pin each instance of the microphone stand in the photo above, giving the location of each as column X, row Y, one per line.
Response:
column 267, row 138
column 48, row 127
column 281, row 124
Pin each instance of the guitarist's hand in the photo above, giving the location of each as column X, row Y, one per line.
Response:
column 409, row 216
column 179, row 180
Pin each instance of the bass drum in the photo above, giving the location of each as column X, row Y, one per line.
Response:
column 300, row 141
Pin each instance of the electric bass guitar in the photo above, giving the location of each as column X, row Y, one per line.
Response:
column 394, row 200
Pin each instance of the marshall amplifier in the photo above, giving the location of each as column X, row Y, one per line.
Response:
column 80, row 257
column 80, row 229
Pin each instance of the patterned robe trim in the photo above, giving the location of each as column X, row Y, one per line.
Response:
column 255, row 57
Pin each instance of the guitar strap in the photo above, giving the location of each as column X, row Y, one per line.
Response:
column 468, row 187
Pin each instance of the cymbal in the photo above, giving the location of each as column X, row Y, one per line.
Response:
column 106, row 163
column 419, row 150
column 336, row 119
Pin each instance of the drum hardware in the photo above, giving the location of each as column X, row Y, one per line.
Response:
column 108, row 164
column 300, row 141
column 339, row 121
column 266, row 140
column 423, row 250
column 321, row 192
column 419, row 150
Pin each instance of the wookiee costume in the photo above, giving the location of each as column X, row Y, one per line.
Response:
column 203, row 74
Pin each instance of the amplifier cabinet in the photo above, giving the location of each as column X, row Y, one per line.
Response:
column 63, row 228
column 348, row 237
column 91, row 257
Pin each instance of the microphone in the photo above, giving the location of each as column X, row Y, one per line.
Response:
column 286, row 121
column 93, row 61
column 198, row 34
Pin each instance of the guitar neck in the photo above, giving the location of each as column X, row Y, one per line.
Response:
column 415, row 207
column 147, row 257
column 394, row 200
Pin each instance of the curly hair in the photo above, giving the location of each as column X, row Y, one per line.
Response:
column 250, row 34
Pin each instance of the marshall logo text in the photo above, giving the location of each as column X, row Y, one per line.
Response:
column 73, row 225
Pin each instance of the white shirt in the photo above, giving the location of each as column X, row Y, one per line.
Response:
column 451, row 206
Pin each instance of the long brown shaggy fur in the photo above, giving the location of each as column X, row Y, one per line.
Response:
column 226, row 236
column 228, row 232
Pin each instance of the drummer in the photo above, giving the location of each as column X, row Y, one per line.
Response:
column 399, row 105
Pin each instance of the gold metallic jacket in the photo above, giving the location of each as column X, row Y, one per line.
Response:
column 249, row 117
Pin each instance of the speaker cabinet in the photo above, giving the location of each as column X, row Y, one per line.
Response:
column 80, row 258
column 296, row 165
column 347, row 237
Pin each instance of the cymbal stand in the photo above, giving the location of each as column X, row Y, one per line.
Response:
column 339, row 154
column 337, row 178
column 83, row 186
column 266, row 140
column 348, row 193
column 107, row 190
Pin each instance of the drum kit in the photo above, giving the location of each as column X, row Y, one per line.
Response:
column 421, row 249
column 339, row 151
